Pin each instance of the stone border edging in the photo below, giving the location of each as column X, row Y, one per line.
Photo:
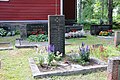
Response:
column 37, row 74
column 7, row 48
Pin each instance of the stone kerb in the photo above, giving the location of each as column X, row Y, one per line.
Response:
column 114, row 68
column 76, row 69
column 117, row 38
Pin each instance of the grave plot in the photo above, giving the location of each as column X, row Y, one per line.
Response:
column 5, row 46
column 56, row 62
column 53, row 64
column 65, row 67
column 102, row 30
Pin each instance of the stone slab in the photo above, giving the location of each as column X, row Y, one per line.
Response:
column 79, row 70
column 10, row 47
column 106, row 37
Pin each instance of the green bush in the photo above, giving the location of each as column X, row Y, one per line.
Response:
column 51, row 57
column 2, row 32
column 32, row 38
column 38, row 38
column 42, row 38
column 17, row 32
column 39, row 60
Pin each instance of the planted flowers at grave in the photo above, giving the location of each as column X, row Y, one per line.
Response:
column 83, row 57
column 104, row 52
column 48, row 62
column 106, row 33
column 55, row 60
column 54, row 63
column 75, row 34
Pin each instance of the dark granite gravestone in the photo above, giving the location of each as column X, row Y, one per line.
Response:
column 56, row 32
column 39, row 28
column 95, row 29
column 23, row 32
column 70, row 28
column 114, row 68
column 117, row 38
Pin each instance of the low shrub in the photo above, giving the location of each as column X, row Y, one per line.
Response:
column 2, row 32
column 38, row 38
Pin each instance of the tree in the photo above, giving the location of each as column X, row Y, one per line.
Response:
column 110, row 11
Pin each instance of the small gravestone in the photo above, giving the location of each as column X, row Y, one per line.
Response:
column 56, row 32
column 72, row 28
column 23, row 33
column 114, row 68
column 38, row 28
column 117, row 38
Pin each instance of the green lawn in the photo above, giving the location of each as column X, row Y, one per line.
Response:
column 15, row 64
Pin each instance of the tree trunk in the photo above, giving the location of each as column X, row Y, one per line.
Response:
column 80, row 10
column 110, row 11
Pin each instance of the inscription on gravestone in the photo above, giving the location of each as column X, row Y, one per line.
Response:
column 117, row 38
column 33, row 29
column 56, row 32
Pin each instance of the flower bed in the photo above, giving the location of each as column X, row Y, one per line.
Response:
column 106, row 33
column 75, row 34
column 55, row 64
column 65, row 69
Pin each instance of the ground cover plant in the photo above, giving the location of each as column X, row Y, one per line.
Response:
column 4, row 33
column 37, row 38
column 15, row 62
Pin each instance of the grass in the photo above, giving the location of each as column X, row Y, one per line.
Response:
column 9, row 39
column 89, row 40
column 15, row 64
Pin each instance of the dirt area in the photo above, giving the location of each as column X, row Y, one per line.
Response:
column 4, row 45
column 65, row 65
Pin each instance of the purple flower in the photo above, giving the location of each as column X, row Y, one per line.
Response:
column 51, row 48
column 83, row 44
column 82, row 50
column 87, row 48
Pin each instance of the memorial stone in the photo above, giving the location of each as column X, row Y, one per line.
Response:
column 114, row 68
column 39, row 28
column 117, row 38
column 56, row 32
